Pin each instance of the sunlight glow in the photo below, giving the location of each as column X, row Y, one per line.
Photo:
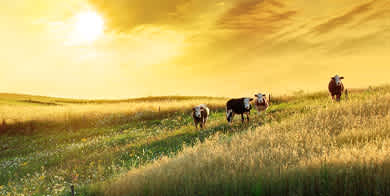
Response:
column 88, row 27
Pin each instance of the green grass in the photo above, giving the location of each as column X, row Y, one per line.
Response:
column 318, row 148
column 48, row 162
column 114, row 149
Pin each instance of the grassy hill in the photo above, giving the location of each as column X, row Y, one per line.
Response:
column 45, row 147
column 27, row 115
column 304, row 145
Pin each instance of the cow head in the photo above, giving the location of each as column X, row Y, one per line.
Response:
column 337, row 79
column 229, row 115
column 197, row 111
column 247, row 105
column 260, row 98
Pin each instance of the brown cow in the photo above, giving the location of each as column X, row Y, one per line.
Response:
column 200, row 114
column 336, row 87
column 261, row 102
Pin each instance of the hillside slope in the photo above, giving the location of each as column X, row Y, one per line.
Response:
column 29, row 115
column 324, row 148
column 165, row 155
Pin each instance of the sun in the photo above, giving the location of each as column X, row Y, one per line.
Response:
column 88, row 27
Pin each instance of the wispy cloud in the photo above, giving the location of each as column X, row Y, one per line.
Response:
column 270, row 26
column 344, row 19
column 124, row 15
column 382, row 11
column 258, row 16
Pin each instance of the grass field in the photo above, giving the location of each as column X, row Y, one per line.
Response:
column 84, row 142
column 304, row 145
column 24, row 114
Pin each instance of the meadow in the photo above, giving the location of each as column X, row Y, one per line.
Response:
column 322, row 149
column 46, row 143
column 25, row 114
column 304, row 145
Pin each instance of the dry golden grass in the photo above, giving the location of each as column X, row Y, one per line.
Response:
column 32, row 116
column 336, row 149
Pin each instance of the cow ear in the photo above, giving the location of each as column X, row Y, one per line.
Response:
column 342, row 77
column 264, row 95
column 332, row 78
column 251, row 99
column 193, row 109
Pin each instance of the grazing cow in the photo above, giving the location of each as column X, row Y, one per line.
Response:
column 336, row 87
column 261, row 102
column 200, row 114
column 238, row 106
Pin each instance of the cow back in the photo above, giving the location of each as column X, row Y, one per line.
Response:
column 237, row 105
column 204, row 114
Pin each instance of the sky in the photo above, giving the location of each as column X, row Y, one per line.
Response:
column 134, row 48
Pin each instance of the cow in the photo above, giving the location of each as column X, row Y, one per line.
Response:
column 200, row 115
column 336, row 87
column 238, row 106
column 261, row 102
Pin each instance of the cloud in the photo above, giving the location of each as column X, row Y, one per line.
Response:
column 222, row 35
column 382, row 11
column 257, row 16
column 213, row 29
column 124, row 15
column 344, row 19
column 366, row 44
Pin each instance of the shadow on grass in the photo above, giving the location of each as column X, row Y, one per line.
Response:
column 138, row 155
column 169, row 146
column 340, row 179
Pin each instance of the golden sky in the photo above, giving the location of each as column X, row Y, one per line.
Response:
column 132, row 48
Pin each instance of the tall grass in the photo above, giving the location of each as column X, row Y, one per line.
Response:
column 50, row 160
column 335, row 149
column 38, row 116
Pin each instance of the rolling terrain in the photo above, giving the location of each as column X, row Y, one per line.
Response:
column 322, row 148
column 305, row 144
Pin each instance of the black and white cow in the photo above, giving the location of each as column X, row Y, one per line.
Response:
column 200, row 114
column 238, row 106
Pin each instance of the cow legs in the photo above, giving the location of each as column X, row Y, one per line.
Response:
column 247, row 116
column 196, row 124
column 242, row 118
column 338, row 97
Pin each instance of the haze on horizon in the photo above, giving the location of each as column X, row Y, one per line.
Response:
column 133, row 48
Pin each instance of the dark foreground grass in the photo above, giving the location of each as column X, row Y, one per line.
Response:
column 349, row 180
